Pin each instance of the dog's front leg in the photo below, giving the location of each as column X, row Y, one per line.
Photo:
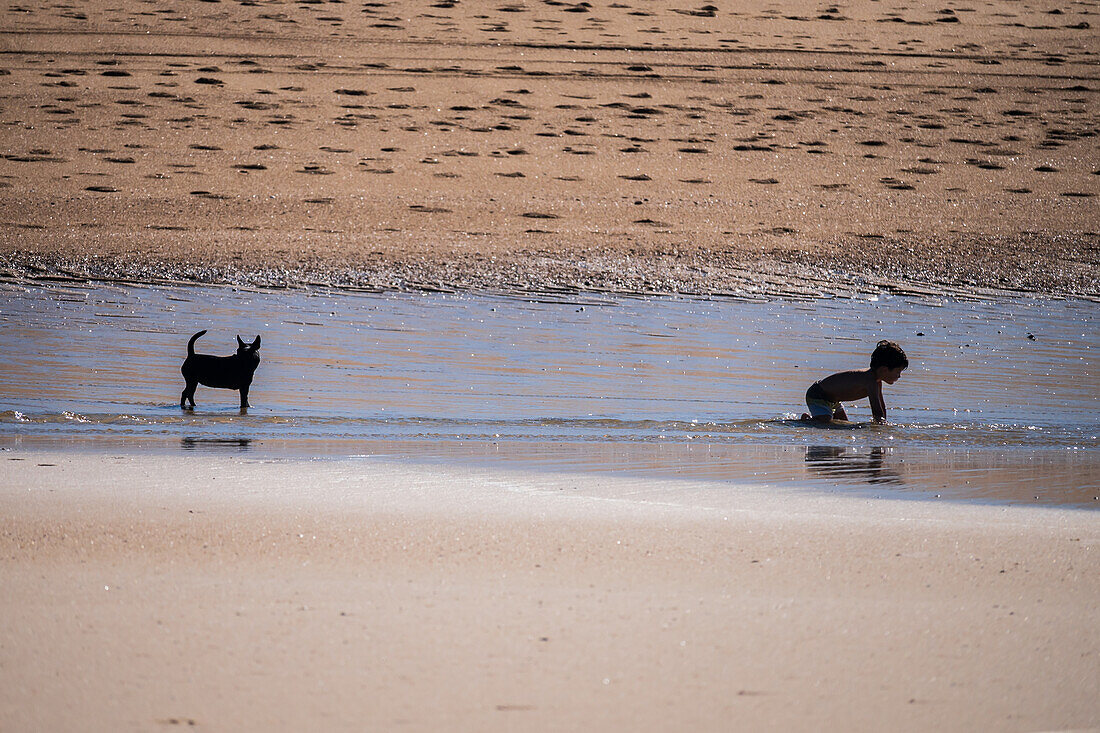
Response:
column 244, row 398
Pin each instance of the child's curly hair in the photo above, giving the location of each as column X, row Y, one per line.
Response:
column 889, row 355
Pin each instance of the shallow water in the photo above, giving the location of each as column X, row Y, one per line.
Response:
column 1000, row 403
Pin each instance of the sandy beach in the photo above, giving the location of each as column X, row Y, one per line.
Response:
column 523, row 146
column 146, row 592
column 796, row 149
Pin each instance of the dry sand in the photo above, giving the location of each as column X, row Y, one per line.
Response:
column 636, row 146
column 226, row 593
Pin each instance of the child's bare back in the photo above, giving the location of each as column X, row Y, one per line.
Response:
column 849, row 386
column 824, row 398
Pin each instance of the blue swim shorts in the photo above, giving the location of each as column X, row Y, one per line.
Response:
column 821, row 408
column 817, row 404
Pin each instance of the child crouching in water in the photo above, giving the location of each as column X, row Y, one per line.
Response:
column 824, row 397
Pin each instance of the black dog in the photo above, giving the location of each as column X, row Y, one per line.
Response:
column 226, row 372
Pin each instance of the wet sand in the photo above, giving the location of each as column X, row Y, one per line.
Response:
column 656, row 147
column 144, row 592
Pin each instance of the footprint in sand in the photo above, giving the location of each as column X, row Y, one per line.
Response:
column 257, row 106
column 895, row 184
column 37, row 155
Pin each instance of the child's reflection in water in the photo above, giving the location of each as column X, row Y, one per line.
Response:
column 830, row 461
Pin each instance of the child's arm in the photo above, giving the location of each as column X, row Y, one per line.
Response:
column 878, row 405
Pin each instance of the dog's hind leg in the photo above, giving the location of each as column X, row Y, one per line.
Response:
column 188, row 395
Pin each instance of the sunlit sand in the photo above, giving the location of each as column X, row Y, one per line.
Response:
column 683, row 560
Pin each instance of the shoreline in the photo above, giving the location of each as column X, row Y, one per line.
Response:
column 789, row 276
column 538, row 458
column 220, row 593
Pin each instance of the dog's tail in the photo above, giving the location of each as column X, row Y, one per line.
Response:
column 191, row 343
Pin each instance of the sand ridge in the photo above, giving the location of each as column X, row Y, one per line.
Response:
column 634, row 147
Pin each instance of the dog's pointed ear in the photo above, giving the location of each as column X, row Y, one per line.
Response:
column 256, row 343
column 240, row 342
